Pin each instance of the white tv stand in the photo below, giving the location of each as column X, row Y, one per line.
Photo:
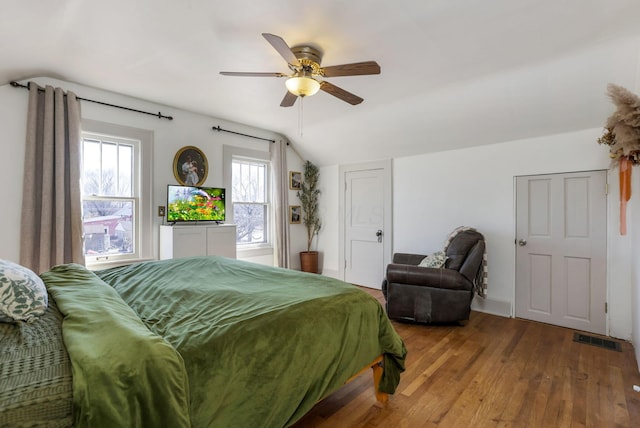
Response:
column 182, row 240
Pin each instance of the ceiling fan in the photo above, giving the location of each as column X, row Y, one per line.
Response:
column 304, row 62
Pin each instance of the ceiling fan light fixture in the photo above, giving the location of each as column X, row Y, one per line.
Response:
column 302, row 86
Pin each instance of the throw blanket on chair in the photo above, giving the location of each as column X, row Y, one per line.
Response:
column 480, row 282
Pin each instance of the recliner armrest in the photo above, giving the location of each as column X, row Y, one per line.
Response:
column 473, row 262
column 408, row 259
column 428, row 277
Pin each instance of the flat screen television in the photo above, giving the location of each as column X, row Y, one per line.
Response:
column 192, row 204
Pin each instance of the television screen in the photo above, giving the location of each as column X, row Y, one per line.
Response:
column 189, row 203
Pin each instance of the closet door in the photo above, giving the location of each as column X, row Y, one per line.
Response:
column 561, row 229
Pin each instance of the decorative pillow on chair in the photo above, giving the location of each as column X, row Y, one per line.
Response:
column 23, row 296
column 435, row 260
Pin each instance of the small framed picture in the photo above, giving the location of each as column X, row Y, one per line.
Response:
column 295, row 180
column 295, row 213
column 190, row 166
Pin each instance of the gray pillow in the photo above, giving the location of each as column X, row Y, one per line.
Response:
column 435, row 260
column 23, row 296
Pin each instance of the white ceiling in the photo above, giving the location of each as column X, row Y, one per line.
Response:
column 455, row 73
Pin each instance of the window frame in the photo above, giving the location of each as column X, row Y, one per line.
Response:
column 142, row 141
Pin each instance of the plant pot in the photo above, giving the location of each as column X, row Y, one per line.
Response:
column 309, row 261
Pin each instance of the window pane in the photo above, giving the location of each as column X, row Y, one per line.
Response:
column 250, row 200
column 109, row 169
column 91, row 165
column 108, row 227
column 250, row 222
column 260, row 178
column 241, row 184
column 125, row 170
column 249, row 181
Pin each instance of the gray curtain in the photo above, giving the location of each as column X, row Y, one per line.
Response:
column 281, row 201
column 51, row 229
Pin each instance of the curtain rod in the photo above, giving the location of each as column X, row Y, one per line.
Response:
column 159, row 115
column 217, row 128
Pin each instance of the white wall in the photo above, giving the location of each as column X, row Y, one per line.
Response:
column 329, row 213
column 434, row 193
column 13, row 122
column 185, row 129
column 634, row 219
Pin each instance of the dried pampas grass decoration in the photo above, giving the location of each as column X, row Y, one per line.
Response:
column 622, row 130
column 622, row 135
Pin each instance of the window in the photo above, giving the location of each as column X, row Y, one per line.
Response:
column 114, row 197
column 247, row 177
column 250, row 198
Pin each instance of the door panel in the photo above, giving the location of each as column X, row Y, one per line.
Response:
column 540, row 274
column 577, row 207
column 364, row 266
column 540, row 206
column 578, row 286
column 561, row 249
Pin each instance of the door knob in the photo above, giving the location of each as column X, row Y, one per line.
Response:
column 522, row 242
column 379, row 235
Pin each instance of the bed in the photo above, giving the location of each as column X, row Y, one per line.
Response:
column 202, row 342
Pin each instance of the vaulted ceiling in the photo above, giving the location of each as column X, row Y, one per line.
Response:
column 455, row 73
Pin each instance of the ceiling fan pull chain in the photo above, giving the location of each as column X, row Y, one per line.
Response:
column 300, row 116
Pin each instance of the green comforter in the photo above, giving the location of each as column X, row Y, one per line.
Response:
column 261, row 345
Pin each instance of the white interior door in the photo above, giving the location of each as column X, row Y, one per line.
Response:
column 561, row 249
column 367, row 223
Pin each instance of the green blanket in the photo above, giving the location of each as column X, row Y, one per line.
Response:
column 123, row 374
column 261, row 345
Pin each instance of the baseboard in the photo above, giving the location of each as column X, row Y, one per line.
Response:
column 495, row 307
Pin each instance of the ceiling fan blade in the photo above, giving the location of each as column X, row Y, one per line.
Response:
column 251, row 74
column 283, row 49
column 288, row 100
column 355, row 69
column 340, row 93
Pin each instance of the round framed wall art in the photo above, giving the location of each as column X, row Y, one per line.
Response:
column 190, row 166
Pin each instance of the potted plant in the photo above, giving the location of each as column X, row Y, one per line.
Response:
column 308, row 195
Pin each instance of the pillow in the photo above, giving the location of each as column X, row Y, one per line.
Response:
column 23, row 296
column 435, row 260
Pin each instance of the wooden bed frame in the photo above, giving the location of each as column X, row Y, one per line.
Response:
column 377, row 367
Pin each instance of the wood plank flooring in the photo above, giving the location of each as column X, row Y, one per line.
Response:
column 494, row 372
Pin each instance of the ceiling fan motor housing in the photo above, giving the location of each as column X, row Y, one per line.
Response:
column 307, row 52
column 310, row 58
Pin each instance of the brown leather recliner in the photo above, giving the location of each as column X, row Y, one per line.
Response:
column 435, row 295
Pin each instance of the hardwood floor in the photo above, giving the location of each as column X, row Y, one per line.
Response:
column 494, row 372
